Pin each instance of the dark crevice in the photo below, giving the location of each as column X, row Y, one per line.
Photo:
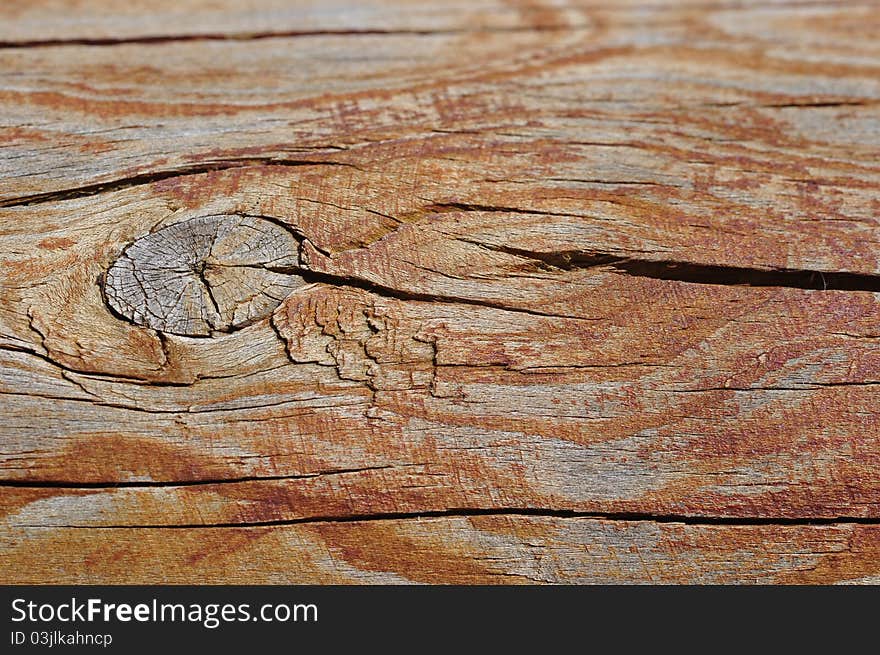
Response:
column 444, row 207
column 93, row 400
column 807, row 386
column 144, row 484
column 792, row 104
column 89, row 190
column 160, row 336
column 281, row 34
column 96, row 374
column 820, row 104
column 199, row 270
column 322, row 277
column 565, row 260
column 677, row 271
column 753, row 277
column 525, row 512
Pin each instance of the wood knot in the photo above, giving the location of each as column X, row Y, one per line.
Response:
column 207, row 275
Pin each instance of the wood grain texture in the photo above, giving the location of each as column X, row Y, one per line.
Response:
column 552, row 292
column 462, row 550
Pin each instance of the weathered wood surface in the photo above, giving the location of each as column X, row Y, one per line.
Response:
column 498, row 292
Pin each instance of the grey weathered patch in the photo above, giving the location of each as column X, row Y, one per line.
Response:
column 205, row 275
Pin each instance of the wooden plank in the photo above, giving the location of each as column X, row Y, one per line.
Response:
column 582, row 294
column 458, row 550
column 719, row 138
column 600, row 391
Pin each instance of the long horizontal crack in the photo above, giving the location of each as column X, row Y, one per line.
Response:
column 183, row 411
column 142, row 381
column 147, row 484
column 280, row 34
column 313, row 276
column 679, row 271
column 141, row 179
column 807, row 387
column 754, row 277
column 525, row 512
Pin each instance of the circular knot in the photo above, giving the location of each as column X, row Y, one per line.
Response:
column 204, row 275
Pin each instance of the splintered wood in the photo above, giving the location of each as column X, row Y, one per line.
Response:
column 497, row 292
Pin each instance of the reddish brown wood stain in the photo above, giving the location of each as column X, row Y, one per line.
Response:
column 56, row 244
column 473, row 388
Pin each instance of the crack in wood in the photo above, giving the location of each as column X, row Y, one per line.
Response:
column 742, row 276
column 541, row 512
column 142, row 179
column 214, row 274
column 285, row 34
column 694, row 273
column 148, row 484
